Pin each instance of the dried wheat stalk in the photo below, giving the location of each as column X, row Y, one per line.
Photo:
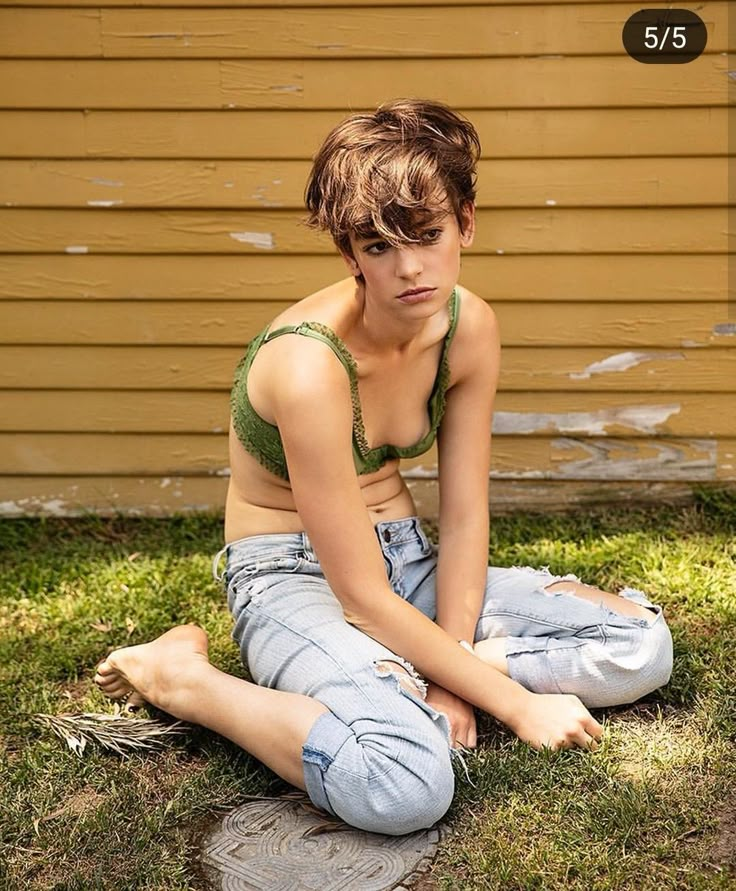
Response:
column 113, row 732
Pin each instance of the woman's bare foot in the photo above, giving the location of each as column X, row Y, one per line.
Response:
column 154, row 672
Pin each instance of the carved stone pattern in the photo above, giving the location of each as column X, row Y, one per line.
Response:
column 260, row 847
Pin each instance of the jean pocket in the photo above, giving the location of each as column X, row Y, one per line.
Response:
column 243, row 575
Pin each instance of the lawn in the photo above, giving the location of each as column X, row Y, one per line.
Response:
column 653, row 808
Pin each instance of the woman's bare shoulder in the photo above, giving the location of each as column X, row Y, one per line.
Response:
column 319, row 306
column 475, row 330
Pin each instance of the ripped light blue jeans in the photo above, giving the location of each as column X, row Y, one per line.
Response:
column 381, row 758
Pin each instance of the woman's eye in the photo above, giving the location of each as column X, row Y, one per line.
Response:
column 433, row 234
column 378, row 244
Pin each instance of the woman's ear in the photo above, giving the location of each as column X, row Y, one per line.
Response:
column 350, row 263
column 468, row 215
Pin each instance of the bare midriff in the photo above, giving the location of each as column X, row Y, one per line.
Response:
column 269, row 505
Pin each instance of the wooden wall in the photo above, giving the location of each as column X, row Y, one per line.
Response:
column 152, row 167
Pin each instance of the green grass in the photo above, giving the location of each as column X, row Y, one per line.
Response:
column 655, row 807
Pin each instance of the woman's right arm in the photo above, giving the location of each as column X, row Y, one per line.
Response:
column 310, row 398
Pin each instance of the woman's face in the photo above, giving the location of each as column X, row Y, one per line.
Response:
column 434, row 262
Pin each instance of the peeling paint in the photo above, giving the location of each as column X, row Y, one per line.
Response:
column 228, row 185
column 642, row 418
column 166, row 481
column 500, row 251
column 223, row 471
column 10, row 509
column 621, row 362
column 104, row 203
column 551, row 202
column 257, row 239
column 328, row 46
column 607, row 459
column 107, row 182
column 76, row 249
column 725, row 329
column 286, row 88
column 54, row 507
column 420, row 472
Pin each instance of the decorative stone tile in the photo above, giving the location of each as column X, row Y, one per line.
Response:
column 285, row 845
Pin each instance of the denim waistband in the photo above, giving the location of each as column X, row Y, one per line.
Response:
column 389, row 533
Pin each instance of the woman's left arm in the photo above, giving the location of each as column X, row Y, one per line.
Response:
column 464, row 450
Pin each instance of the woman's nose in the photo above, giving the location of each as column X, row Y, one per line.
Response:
column 408, row 262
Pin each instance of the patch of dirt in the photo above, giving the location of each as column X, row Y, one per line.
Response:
column 723, row 851
column 74, row 691
column 80, row 802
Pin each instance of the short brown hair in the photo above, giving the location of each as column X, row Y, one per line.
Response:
column 379, row 173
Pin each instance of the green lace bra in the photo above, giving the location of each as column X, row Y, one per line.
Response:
column 262, row 439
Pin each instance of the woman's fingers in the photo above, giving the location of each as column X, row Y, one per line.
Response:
column 593, row 727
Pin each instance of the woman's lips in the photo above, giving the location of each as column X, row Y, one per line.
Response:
column 419, row 297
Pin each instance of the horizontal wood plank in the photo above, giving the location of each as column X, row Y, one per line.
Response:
column 574, row 369
column 515, row 133
column 538, row 457
column 317, row 33
column 276, row 4
column 233, row 323
column 624, row 278
column 517, row 413
column 166, row 496
column 609, row 182
column 506, row 231
column 604, row 81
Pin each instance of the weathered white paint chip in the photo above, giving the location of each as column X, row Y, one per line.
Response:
column 116, row 183
column 286, row 88
column 257, row 239
column 166, row 481
column 621, row 362
column 104, row 203
column 692, row 459
column 10, row 509
column 642, row 418
column 420, row 472
column 551, row 202
column 725, row 329
column 222, row 471
column 76, row 249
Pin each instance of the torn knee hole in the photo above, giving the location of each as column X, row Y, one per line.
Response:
column 408, row 679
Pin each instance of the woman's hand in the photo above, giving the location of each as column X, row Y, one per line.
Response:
column 459, row 712
column 557, row 720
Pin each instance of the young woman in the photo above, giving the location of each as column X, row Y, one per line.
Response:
column 367, row 650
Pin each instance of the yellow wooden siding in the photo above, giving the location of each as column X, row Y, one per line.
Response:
column 623, row 278
column 571, row 81
column 205, row 411
column 457, row 30
column 152, row 168
column 614, row 182
column 543, row 134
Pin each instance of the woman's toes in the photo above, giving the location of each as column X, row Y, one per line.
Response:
column 134, row 702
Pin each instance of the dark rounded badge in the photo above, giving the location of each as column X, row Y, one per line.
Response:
column 664, row 36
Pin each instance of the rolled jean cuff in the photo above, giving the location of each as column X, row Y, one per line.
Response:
column 327, row 736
